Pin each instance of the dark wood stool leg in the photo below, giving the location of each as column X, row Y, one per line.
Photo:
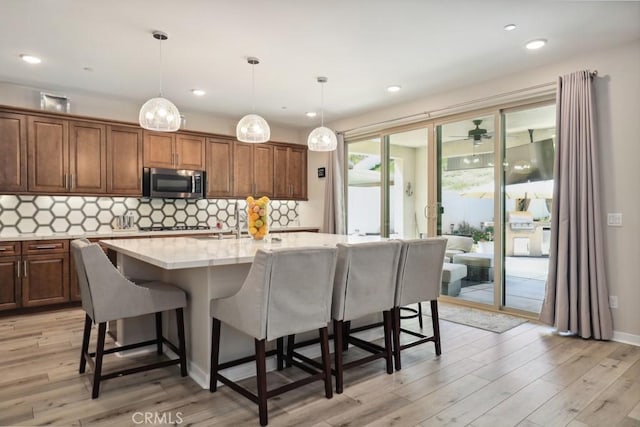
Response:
column 420, row 314
column 97, row 373
column 345, row 335
column 436, row 326
column 395, row 314
column 261, row 371
column 159, row 332
column 182, row 343
column 280, row 353
column 85, row 343
column 337, row 345
column 326, row 362
column 291, row 339
column 215, row 352
column 387, row 341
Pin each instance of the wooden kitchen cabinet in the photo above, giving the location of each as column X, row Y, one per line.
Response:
column 13, row 146
column 290, row 164
column 48, row 154
column 252, row 169
column 87, row 158
column 33, row 273
column 10, row 263
column 219, row 167
column 124, row 160
column 173, row 151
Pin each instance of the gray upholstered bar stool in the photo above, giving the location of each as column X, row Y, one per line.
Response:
column 419, row 278
column 287, row 291
column 107, row 295
column 365, row 284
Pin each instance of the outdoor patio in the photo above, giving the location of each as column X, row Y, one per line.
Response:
column 525, row 284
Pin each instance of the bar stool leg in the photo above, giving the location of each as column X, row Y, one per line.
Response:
column 395, row 318
column 290, row 347
column 326, row 362
column 280, row 353
column 183, row 346
column 420, row 314
column 215, row 352
column 85, row 343
column 345, row 336
column 97, row 373
column 159, row 332
column 387, row 341
column 338, row 345
column 261, row 371
column 435, row 321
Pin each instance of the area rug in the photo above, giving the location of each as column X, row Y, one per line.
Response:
column 487, row 320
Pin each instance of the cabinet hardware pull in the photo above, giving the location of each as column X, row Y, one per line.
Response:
column 3, row 248
column 25, row 269
column 46, row 246
column 64, row 179
column 18, row 269
column 73, row 182
column 177, row 159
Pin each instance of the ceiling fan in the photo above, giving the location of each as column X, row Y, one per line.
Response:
column 477, row 134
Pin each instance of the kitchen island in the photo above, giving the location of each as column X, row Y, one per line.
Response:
column 205, row 268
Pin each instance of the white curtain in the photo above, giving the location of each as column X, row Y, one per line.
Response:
column 334, row 220
column 577, row 298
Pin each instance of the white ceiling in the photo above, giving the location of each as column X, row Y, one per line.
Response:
column 362, row 46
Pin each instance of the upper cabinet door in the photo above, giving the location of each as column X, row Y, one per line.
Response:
column 243, row 169
column 159, row 150
column 124, row 160
column 297, row 173
column 263, row 170
column 189, row 152
column 48, row 155
column 219, row 167
column 13, row 146
column 87, row 158
column 281, row 186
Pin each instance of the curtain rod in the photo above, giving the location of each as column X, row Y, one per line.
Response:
column 461, row 104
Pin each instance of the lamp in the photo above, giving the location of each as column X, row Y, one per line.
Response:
column 159, row 113
column 322, row 138
column 253, row 128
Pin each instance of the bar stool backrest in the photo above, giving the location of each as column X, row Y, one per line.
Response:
column 420, row 270
column 365, row 280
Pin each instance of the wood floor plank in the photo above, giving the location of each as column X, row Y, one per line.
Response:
column 526, row 376
column 569, row 402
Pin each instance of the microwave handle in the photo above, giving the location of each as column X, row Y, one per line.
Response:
column 193, row 184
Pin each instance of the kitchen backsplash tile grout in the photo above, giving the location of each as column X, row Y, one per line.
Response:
column 78, row 214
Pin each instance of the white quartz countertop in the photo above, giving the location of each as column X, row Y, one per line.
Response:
column 132, row 233
column 188, row 252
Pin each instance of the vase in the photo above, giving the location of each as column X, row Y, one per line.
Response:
column 258, row 217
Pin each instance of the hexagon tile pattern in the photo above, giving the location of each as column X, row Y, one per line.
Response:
column 60, row 214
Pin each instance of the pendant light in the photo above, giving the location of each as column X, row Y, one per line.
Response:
column 322, row 138
column 253, row 128
column 159, row 113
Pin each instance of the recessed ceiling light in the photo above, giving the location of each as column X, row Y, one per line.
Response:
column 31, row 59
column 536, row 44
column 394, row 88
column 311, row 114
column 198, row 92
column 510, row 27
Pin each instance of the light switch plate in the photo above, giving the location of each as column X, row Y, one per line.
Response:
column 614, row 219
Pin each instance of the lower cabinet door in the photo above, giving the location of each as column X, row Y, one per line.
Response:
column 9, row 283
column 45, row 279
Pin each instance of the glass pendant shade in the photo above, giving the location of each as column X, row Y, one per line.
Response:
column 253, row 128
column 322, row 139
column 159, row 114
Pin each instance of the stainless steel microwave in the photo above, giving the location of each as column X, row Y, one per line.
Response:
column 173, row 183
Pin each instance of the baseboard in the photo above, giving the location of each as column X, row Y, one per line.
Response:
column 626, row 338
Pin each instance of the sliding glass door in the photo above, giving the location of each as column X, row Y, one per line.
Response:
column 387, row 184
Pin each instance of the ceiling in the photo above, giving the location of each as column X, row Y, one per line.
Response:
column 362, row 46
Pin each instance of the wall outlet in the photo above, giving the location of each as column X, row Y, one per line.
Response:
column 614, row 219
column 613, row 301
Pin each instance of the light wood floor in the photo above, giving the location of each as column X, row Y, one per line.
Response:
column 526, row 376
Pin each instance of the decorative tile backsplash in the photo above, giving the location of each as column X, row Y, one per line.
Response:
column 78, row 214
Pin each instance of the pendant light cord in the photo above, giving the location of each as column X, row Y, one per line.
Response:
column 322, row 104
column 253, row 87
column 160, row 67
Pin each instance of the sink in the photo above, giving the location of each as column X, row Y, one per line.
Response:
column 214, row 237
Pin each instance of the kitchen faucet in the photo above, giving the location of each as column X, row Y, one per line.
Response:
column 239, row 217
